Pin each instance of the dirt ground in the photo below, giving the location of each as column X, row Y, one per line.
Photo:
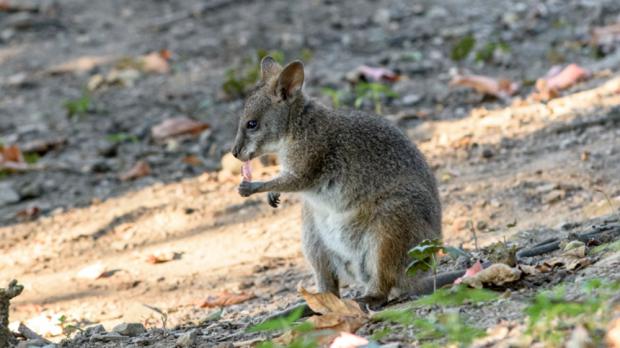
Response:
column 515, row 169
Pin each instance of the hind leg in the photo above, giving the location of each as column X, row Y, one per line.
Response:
column 393, row 236
column 318, row 256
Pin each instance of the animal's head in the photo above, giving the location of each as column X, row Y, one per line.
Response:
column 265, row 118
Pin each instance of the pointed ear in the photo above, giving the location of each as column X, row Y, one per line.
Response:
column 269, row 68
column 290, row 80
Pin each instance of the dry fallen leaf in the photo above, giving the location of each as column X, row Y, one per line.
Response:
column 471, row 271
column 607, row 35
column 579, row 338
column 192, row 160
column 500, row 88
column 348, row 340
column 42, row 146
column 558, row 79
column 226, row 298
column 81, row 64
column 156, row 62
column 162, row 256
column 529, row 270
column 140, row 169
column 338, row 315
column 11, row 158
column 613, row 334
column 327, row 302
column 177, row 126
column 377, row 74
column 10, row 154
column 94, row 271
column 497, row 274
column 28, row 213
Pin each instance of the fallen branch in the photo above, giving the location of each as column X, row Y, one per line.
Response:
column 11, row 291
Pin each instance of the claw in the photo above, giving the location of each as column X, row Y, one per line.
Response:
column 273, row 199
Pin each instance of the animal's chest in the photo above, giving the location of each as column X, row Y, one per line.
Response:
column 346, row 241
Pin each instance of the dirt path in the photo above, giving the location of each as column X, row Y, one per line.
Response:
column 520, row 168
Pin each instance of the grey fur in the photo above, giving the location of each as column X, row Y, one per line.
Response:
column 368, row 192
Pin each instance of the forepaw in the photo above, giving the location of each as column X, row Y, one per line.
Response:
column 372, row 303
column 246, row 188
column 274, row 199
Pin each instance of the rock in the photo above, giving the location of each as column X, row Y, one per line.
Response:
column 411, row 99
column 129, row 329
column 31, row 190
column 8, row 195
column 92, row 330
column 553, row 196
column 487, row 153
column 38, row 343
column 107, row 149
column 187, row 339
column 108, row 337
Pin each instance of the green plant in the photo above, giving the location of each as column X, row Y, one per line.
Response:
column 335, row 94
column 240, row 79
column 67, row 328
column 79, row 106
column 31, row 157
column 373, row 91
column 462, row 48
column 485, row 54
column 121, row 138
column 305, row 338
column 456, row 296
column 448, row 326
column 424, row 257
column 552, row 314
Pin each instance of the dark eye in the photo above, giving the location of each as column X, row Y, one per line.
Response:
column 252, row 124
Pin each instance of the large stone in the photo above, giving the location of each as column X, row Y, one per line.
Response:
column 129, row 329
column 187, row 339
column 8, row 195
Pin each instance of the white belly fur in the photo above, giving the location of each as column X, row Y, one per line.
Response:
column 332, row 224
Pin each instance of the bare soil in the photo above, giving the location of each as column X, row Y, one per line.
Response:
column 518, row 170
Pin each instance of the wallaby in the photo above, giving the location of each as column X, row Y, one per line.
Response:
column 368, row 193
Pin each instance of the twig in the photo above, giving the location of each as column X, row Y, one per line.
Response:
column 29, row 334
column 11, row 291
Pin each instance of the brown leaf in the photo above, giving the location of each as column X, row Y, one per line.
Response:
column 377, row 73
column 11, row 154
column 613, row 334
column 192, row 160
column 178, row 126
column 140, row 169
column 497, row 274
column 571, row 263
column 28, row 213
column 327, row 302
column 94, row 271
column 471, row 271
column 347, row 340
column 557, row 79
column 156, row 62
column 338, row 315
column 81, row 64
column 226, row 298
column 162, row 256
column 11, row 158
column 42, row 146
column 607, row 35
column 500, row 88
